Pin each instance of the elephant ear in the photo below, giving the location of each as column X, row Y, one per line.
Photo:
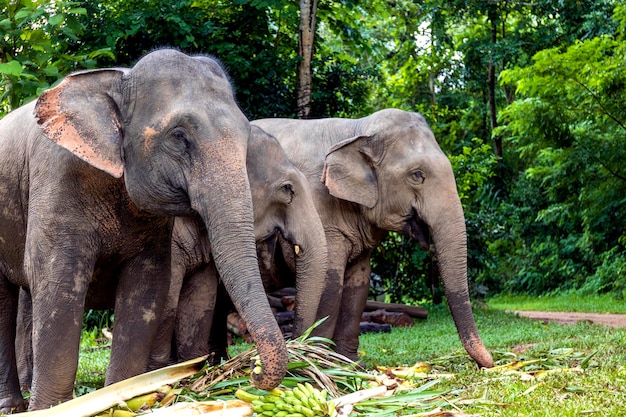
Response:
column 349, row 170
column 82, row 115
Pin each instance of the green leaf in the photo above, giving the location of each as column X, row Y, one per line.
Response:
column 585, row 363
column 56, row 20
column 78, row 10
column 23, row 13
column 11, row 68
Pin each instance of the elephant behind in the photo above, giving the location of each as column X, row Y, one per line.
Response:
column 91, row 175
column 283, row 207
column 384, row 172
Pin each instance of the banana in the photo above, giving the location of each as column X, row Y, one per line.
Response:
column 300, row 395
column 145, row 401
column 303, row 400
column 246, row 396
column 123, row 413
column 277, row 392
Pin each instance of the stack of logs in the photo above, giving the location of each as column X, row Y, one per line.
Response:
column 378, row 316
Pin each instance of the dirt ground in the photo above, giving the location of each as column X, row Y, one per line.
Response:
column 613, row 320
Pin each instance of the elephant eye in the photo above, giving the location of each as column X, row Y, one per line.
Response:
column 179, row 134
column 287, row 190
column 418, row 177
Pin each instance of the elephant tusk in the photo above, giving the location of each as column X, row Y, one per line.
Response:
column 296, row 249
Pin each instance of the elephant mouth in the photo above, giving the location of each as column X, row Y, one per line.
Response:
column 417, row 229
column 272, row 241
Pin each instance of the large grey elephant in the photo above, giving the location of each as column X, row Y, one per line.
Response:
column 384, row 172
column 91, row 174
column 283, row 206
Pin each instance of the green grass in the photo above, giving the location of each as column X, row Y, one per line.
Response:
column 596, row 388
column 600, row 389
column 92, row 362
column 569, row 301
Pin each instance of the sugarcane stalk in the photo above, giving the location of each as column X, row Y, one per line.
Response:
column 116, row 394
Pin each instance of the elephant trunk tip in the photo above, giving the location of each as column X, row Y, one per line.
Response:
column 485, row 360
column 266, row 379
column 270, row 367
column 479, row 353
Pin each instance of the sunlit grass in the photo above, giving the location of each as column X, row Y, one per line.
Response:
column 567, row 301
column 597, row 388
column 93, row 361
column 600, row 389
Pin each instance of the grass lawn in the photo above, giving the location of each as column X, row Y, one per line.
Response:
column 569, row 301
column 598, row 389
column 584, row 364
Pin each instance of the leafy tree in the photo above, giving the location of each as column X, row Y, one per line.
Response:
column 568, row 129
column 40, row 44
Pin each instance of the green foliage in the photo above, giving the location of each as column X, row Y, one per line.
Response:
column 548, row 215
column 567, row 128
column 406, row 271
column 97, row 319
column 93, row 361
column 40, row 43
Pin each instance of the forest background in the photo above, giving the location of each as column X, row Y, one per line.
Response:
column 527, row 98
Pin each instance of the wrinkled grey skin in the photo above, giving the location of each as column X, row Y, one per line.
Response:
column 90, row 175
column 283, row 206
column 384, row 172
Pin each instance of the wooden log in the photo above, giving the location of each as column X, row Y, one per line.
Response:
column 413, row 311
column 275, row 302
column 284, row 291
column 288, row 300
column 390, row 317
column 284, row 317
column 367, row 327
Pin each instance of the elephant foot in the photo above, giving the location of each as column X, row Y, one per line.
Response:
column 350, row 353
column 16, row 407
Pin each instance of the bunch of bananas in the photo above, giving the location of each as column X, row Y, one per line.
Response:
column 303, row 400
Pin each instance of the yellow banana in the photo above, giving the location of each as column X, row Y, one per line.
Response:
column 123, row 413
column 144, row 401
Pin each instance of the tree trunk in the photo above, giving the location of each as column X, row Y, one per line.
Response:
column 306, row 38
column 497, row 141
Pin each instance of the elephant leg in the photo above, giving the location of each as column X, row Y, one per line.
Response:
column 195, row 312
column 331, row 299
column 218, row 341
column 58, row 289
column 354, row 297
column 162, row 349
column 140, row 297
column 24, row 340
column 10, row 396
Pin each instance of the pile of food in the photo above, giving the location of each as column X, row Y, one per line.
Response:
column 319, row 383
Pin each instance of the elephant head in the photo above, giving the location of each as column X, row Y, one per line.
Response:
column 283, row 211
column 395, row 170
column 283, row 206
column 170, row 126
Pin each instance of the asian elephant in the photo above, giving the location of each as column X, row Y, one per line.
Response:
column 384, row 172
column 283, row 206
column 91, row 175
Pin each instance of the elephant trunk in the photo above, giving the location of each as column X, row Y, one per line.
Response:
column 311, row 264
column 449, row 237
column 226, row 209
